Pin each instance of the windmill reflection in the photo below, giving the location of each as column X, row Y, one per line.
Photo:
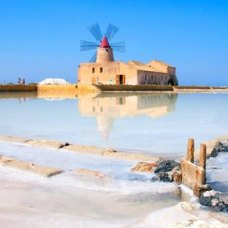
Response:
column 108, row 106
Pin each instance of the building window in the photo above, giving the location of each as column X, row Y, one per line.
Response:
column 101, row 69
column 146, row 79
column 93, row 70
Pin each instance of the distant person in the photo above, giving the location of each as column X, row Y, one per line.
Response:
column 23, row 81
column 19, row 81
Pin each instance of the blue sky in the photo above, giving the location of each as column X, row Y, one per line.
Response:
column 40, row 38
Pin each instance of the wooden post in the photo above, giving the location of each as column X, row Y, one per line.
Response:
column 203, row 156
column 193, row 175
column 190, row 150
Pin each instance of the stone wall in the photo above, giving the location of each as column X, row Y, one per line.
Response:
column 18, row 88
column 65, row 91
column 156, row 78
column 135, row 88
column 162, row 67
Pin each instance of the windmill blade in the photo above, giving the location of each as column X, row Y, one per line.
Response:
column 111, row 31
column 95, row 31
column 98, row 30
column 118, row 46
column 93, row 58
column 87, row 45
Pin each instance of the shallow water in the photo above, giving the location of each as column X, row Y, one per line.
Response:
column 60, row 198
column 74, row 200
column 151, row 123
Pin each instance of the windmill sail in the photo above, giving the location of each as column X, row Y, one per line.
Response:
column 88, row 45
column 95, row 31
column 111, row 31
column 102, row 41
column 118, row 46
column 93, row 58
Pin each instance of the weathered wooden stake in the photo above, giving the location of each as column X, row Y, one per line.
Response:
column 193, row 175
column 203, row 156
column 190, row 151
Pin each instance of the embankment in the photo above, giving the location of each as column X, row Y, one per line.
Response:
column 73, row 90
column 199, row 89
column 83, row 149
column 18, row 88
column 134, row 88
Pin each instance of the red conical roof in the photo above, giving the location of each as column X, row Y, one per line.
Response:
column 105, row 43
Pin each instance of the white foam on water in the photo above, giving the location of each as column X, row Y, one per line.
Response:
column 217, row 169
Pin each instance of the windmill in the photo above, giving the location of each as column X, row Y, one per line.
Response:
column 103, row 45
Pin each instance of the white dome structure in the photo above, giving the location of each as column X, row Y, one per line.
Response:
column 54, row 81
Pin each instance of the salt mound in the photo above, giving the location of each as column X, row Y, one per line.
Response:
column 54, row 81
column 182, row 215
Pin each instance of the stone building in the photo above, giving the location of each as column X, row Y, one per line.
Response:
column 107, row 71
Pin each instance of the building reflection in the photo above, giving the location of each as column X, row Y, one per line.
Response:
column 106, row 107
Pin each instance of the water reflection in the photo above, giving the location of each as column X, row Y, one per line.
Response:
column 108, row 106
column 20, row 96
column 152, row 130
